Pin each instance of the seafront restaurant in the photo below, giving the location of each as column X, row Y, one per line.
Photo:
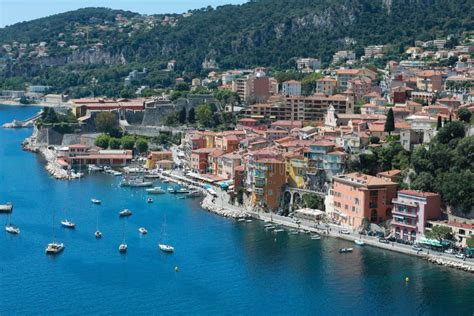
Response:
column 79, row 154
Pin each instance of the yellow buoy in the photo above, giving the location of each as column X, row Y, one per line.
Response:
column 407, row 279
column 176, row 269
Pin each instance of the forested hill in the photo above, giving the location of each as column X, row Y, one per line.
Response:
column 263, row 32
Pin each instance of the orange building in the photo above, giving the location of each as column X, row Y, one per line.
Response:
column 159, row 156
column 269, row 180
column 359, row 196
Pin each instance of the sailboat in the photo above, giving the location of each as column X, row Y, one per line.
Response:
column 123, row 245
column 10, row 228
column 54, row 248
column 165, row 247
column 98, row 233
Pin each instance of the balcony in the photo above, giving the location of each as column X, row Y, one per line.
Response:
column 404, row 212
column 398, row 221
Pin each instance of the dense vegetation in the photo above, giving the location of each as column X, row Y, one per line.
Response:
column 259, row 33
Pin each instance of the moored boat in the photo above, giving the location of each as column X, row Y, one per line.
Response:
column 96, row 201
column 125, row 212
column 155, row 190
column 123, row 248
column 149, row 200
column 143, row 230
column 166, row 248
column 136, row 183
column 315, row 237
column 54, row 248
column 12, row 229
column 359, row 242
column 68, row 224
column 98, row 234
column 345, row 250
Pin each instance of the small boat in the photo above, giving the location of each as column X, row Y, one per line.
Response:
column 6, row 208
column 359, row 242
column 117, row 173
column 125, row 212
column 155, row 190
column 268, row 225
column 96, row 201
column 123, row 248
column 270, row 228
column 166, row 181
column 294, row 232
column 181, row 191
column 345, row 250
column 171, row 190
column 98, row 234
column 248, row 220
column 315, row 237
column 68, row 224
column 94, row 168
column 241, row 220
column 166, row 248
column 136, row 183
column 12, row 229
column 143, row 230
column 279, row 230
column 194, row 194
column 54, row 248
column 149, row 200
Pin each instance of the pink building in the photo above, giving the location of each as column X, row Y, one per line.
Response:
column 411, row 211
column 360, row 197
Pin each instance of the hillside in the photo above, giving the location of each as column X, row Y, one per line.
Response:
column 261, row 32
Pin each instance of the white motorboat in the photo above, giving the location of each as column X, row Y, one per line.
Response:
column 125, row 212
column 117, row 173
column 98, row 234
column 12, row 229
column 194, row 194
column 166, row 181
column 6, row 208
column 123, row 248
column 359, row 242
column 171, row 190
column 94, row 168
column 68, row 224
column 143, row 230
column 271, row 227
column 166, row 248
column 136, row 183
column 315, row 237
column 54, row 248
column 345, row 250
column 155, row 190
column 241, row 220
column 279, row 230
column 149, row 200
column 96, row 201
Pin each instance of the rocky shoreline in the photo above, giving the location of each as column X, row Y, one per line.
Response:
column 450, row 264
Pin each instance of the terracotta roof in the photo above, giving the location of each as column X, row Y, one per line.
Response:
column 417, row 193
column 348, row 71
column 454, row 224
column 364, row 179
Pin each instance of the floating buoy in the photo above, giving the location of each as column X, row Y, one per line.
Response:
column 407, row 279
column 176, row 269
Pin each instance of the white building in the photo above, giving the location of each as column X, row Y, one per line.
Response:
column 291, row 87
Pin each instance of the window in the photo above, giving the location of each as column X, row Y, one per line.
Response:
column 270, row 192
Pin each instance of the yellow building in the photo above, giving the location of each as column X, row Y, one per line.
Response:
column 165, row 159
column 296, row 166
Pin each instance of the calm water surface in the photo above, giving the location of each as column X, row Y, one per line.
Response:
column 224, row 267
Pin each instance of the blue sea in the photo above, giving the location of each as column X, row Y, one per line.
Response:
column 225, row 267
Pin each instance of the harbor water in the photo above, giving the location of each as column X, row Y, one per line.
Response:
column 224, row 266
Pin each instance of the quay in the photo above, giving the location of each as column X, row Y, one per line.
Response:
column 211, row 203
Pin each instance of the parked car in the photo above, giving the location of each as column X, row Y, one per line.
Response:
column 384, row 241
column 392, row 239
column 416, row 248
column 460, row 255
column 345, row 232
column 449, row 251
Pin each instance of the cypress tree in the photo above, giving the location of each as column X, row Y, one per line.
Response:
column 191, row 116
column 182, row 115
column 390, row 122
column 438, row 127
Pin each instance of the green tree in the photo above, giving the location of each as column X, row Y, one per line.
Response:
column 439, row 124
column 181, row 86
column 142, row 145
column 464, row 115
column 126, row 93
column 313, row 201
column 182, row 115
column 450, row 131
column 457, row 189
column 308, row 84
column 470, row 241
column 192, row 116
column 374, row 139
column 390, row 122
column 128, row 142
column 114, row 143
column 102, row 141
column 204, row 115
column 423, row 182
column 24, row 100
column 106, row 122
column 240, row 196
column 439, row 232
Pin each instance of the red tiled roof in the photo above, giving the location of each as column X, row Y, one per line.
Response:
column 417, row 193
